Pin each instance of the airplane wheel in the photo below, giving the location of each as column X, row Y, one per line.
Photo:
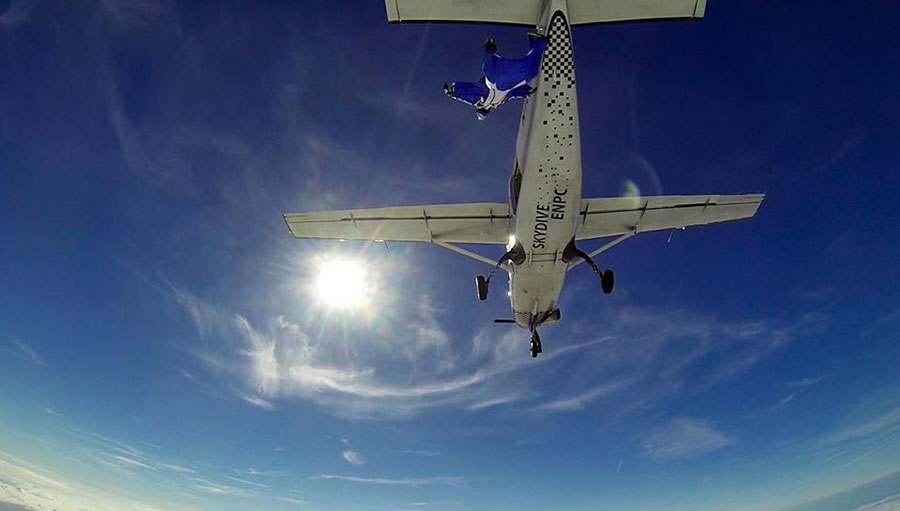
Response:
column 481, row 286
column 608, row 281
column 535, row 344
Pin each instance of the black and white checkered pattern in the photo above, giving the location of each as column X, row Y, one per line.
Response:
column 557, row 65
column 557, row 102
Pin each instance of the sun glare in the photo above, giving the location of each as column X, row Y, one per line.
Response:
column 341, row 284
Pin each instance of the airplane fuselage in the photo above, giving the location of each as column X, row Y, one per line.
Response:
column 545, row 190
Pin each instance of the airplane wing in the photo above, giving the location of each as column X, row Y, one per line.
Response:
column 528, row 12
column 481, row 223
column 622, row 215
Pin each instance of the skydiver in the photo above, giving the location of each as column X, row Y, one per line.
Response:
column 503, row 79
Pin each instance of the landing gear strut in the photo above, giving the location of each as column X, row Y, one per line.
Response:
column 607, row 278
column 515, row 255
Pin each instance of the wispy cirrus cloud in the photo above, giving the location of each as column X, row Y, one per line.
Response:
column 17, row 12
column 421, row 452
column 35, row 487
column 886, row 422
column 412, row 482
column 645, row 353
column 23, row 351
column 411, row 369
column 684, row 437
column 257, row 401
column 891, row 503
column 219, row 488
column 579, row 401
column 806, row 382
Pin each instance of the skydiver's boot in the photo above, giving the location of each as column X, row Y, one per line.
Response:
column 490, row 45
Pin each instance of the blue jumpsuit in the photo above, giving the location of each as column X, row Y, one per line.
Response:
column 503, row 79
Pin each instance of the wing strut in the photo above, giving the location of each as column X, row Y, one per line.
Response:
column 468, row 253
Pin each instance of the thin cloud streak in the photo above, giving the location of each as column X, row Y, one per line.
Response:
column 411, row 482
column 887, row 421
column 577, row 402
column 24, row 352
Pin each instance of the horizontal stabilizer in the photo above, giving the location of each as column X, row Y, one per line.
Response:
column 480, row 223
column 528, row 12
column 615, row 216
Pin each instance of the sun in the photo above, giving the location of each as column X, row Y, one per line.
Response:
column 342, row 284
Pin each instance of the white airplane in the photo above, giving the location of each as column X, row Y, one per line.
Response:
column 546, row 215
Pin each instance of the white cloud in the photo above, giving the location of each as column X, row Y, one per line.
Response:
column 350, row 456
column 176, row 468
column 888, row 421
column 291, row 500
column 17, row 12
column 256, row 401
column 219, row 488
column 24, row 352
column 35, row 487
column 397, row 374
column 891, row 503
column 412, row 365
column 684, row 437
column 413, row 482
column 244, row 481
column 806, row 382
column 263, row 473
column 577, row 402
column 421, row 452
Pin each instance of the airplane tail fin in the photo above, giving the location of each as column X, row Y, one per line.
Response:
column 529, row 12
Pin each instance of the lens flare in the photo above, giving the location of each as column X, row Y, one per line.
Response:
column 342, row 284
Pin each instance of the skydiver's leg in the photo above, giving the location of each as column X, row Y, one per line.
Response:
column 469, row 92
column 490, row 45
column 536, row 46
column 507, row 73
column 520, row 92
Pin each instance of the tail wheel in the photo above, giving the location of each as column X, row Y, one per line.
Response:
column 481, row 286
column 608, row 281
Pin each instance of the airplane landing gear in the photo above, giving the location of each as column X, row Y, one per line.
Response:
column 481, row 285
column 535, row 344
column 607, row 278
column 515, row 255
column 607, row 281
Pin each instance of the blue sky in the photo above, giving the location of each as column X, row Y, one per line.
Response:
column 160, row 348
